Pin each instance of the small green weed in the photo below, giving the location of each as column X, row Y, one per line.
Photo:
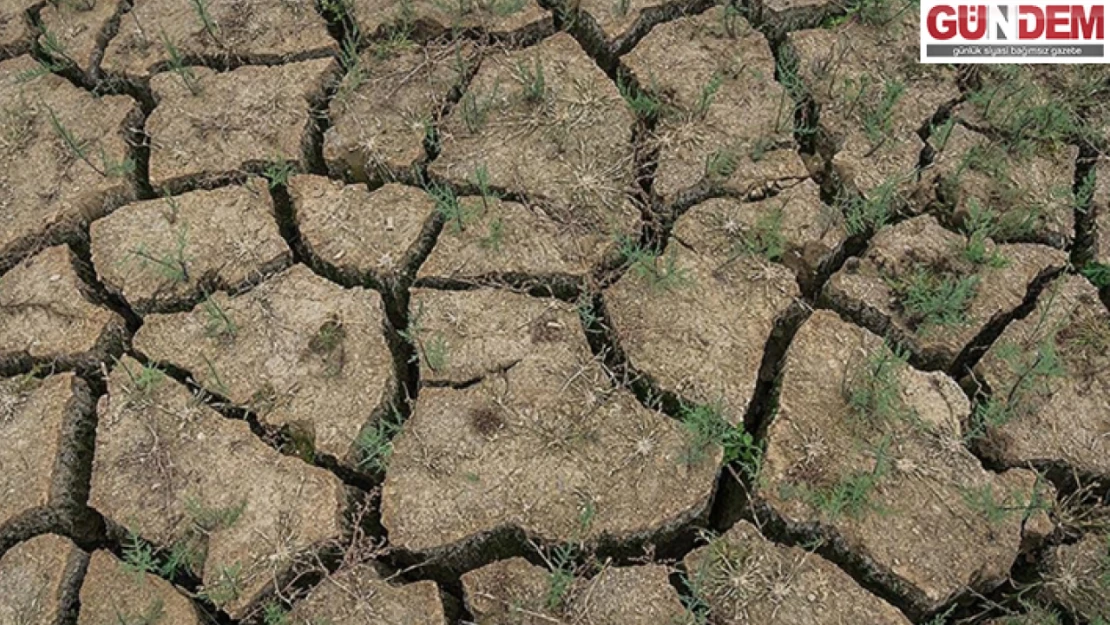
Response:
column 560, row 577
column 108, row 167
column 178, row 66
column 218, row 325
column 200, row 7
column 765, row 238
column 979, row 228
column 138, row 556
column 1097, row 273
column 873, row 392
column 145, row 380
column 227, row 587
column 1032, row 371
column 868, row 214
column 277, row 172
column 644, row 104
column 375, row 442
column 721, row 164
column 532, row 83
column 851, row 494
column 173, row 266
column 985, row 502
column 274, row 614
column 454, row 213
column 932, row 299
column 705, row 428
column 645, row 264
column 708, row 93
column 208, row 519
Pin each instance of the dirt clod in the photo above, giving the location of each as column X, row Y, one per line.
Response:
column 111, row 593
column 166, row 252
column 297, row 348
column 359, row 596
column 178, row 474
column 39, row 579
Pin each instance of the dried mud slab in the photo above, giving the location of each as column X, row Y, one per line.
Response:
column 384, row 110
column 1048, row 375
column 302, row 353
column 431, row 18
column 868, row 453
column 696, row 319
column 64, row 157
column 113, row 594
column 1078, row 578
column 39, row 580
column 168, row 252
column 359, row 596
column 546, row 124
column 745, row 578
column 704, row 69
column 529, row 435
column 933, row 290
column 1022, row 197
column 514, row 592
column 77, row 31
column 872, row 95
column 47, row 316
column 239, row 119
column 794, row 228
column 178, row 474
column 357, row 232
column 153, row 32
column 41, row 444
column 502, row 241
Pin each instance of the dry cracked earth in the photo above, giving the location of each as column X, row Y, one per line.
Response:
column 603, row 312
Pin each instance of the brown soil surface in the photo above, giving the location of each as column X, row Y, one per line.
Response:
column 46, row 315
column 701, row 330
column 514, row 592
column 541, row 442
column 165, row 252
column 1078, row 578
column 1049, row 374
column 568, row 147
column 39, row 464
column 38, row 581
column 167, row 465
column 302, row 353
column 1030, row 196
column 494, row 17
column 258, row 30
column 359, row 232
column 795, row 227
column 705, row 68
column 382, row 112
column 15, row 32
column 876, row 462
column 872, row 95
column 243, row 118
column 113, row 594
column 919, row 256
column 47, row 190
column 359, row 596
column 502, row 239
column 77, row 27
column 615, row 21
column 745, row 578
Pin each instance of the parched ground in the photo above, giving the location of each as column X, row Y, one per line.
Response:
column 510, row 312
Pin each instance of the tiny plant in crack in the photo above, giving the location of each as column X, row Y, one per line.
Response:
column 454, row 213
column 277, row 172
column 980, row 227
column 375, row 442
column 706, row 428
column 179, row 68
column 227, row 587
column 433, row 352
column 867, row 214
